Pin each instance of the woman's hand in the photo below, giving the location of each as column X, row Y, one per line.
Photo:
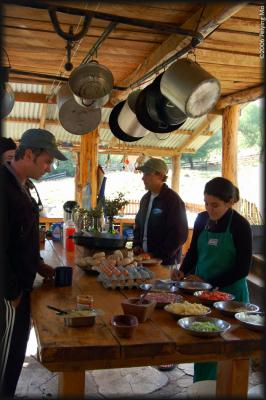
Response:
column 176, row 275
column 193, row 278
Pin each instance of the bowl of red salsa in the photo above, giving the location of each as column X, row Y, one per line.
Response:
column 209, row 297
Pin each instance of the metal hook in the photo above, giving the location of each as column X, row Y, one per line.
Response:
column 69, row 36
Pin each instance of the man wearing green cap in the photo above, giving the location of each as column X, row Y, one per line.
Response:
column 33, row 158
column 161, row 226
column 161, row 223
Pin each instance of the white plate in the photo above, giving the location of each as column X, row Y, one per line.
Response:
column 242, row 317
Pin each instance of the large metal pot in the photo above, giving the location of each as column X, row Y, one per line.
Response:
column 91, row 84
column 7, row 100
column 127, row 119
column 115, row 127
column 162, row 110
column 99, row 240
column 73, row 117
column 190, row 88
column 149, row 116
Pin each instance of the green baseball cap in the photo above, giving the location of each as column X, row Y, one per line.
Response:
column 154, row 165
column 41, row 139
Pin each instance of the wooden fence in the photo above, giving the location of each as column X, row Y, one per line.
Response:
column 246, row 208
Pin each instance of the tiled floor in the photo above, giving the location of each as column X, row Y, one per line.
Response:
column 139, row 383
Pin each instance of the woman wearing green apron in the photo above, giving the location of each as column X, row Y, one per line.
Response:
column 220, row 251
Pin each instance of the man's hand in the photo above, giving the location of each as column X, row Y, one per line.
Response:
column 46, row 271
column 14, row 303
column 137, row 250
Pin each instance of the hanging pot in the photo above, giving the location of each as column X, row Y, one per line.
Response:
column 161, row 109
column 7, row 100
column 127, row 119
column 115, row 127
column 190, row 88
column 74, row 118
column 91, row 84
column 149, row 116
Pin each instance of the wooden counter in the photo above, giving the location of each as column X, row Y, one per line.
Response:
column 70, row 351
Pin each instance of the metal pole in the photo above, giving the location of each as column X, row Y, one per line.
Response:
column 99, row 41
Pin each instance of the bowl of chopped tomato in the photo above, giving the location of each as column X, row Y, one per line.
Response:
column 210, row 297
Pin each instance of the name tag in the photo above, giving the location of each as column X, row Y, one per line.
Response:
column 213, row 242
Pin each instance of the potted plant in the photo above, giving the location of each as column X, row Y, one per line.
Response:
column 112, row 207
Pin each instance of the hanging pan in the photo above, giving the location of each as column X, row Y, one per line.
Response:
column 7, row 100
column 190, row 88
column 147, row 112
column 127, row 119
column 91, row 84
column 74, row 118
column 115, row 127
column 161, row 109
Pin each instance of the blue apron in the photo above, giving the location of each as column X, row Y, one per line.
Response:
column 216, row 255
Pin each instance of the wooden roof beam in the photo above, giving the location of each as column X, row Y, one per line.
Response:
column 198, row 132
column 213, row 16
column 34, row 98
column 151, row 151
column 243, row 96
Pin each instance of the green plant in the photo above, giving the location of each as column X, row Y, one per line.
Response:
column 113, row 206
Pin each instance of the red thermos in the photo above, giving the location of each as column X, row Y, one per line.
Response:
column 70, row 230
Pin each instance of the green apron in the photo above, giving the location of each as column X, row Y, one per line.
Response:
column 216, row 255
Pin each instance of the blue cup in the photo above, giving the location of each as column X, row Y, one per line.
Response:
column 63, row 276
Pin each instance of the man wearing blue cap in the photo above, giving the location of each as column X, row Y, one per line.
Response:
column 33, row 158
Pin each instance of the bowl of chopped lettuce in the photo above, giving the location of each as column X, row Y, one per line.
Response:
column 203, row 326
column 252, row 320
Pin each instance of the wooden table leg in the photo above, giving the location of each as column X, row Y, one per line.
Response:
column 232, row 378
column 71, row 384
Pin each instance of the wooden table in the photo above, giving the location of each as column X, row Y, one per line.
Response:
column 71, row 351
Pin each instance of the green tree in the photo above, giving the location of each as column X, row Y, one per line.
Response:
column 250, row 125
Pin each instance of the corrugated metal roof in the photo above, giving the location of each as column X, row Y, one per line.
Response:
column 28, row 88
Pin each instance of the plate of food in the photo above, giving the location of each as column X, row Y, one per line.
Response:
column 163, row 298
column 193, row 286
column 210, row 297
column 232, row 307
column 159, row 286
column 186, row 309
column 203, row 326
column 151, row 262
column 252, row 320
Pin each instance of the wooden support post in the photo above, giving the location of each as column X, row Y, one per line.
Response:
column 71, row 384
column 78, row 187
column 176, row 172
column 232, row 378
column 89, row 163
column 229, row 143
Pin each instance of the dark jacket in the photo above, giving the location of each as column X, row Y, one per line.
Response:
column 242, row 237
column 21, row 245
column 167, row 225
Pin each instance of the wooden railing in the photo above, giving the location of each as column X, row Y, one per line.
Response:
column 246, row 208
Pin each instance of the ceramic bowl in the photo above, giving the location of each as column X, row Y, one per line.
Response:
column 142, row 310
column 124, row 325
